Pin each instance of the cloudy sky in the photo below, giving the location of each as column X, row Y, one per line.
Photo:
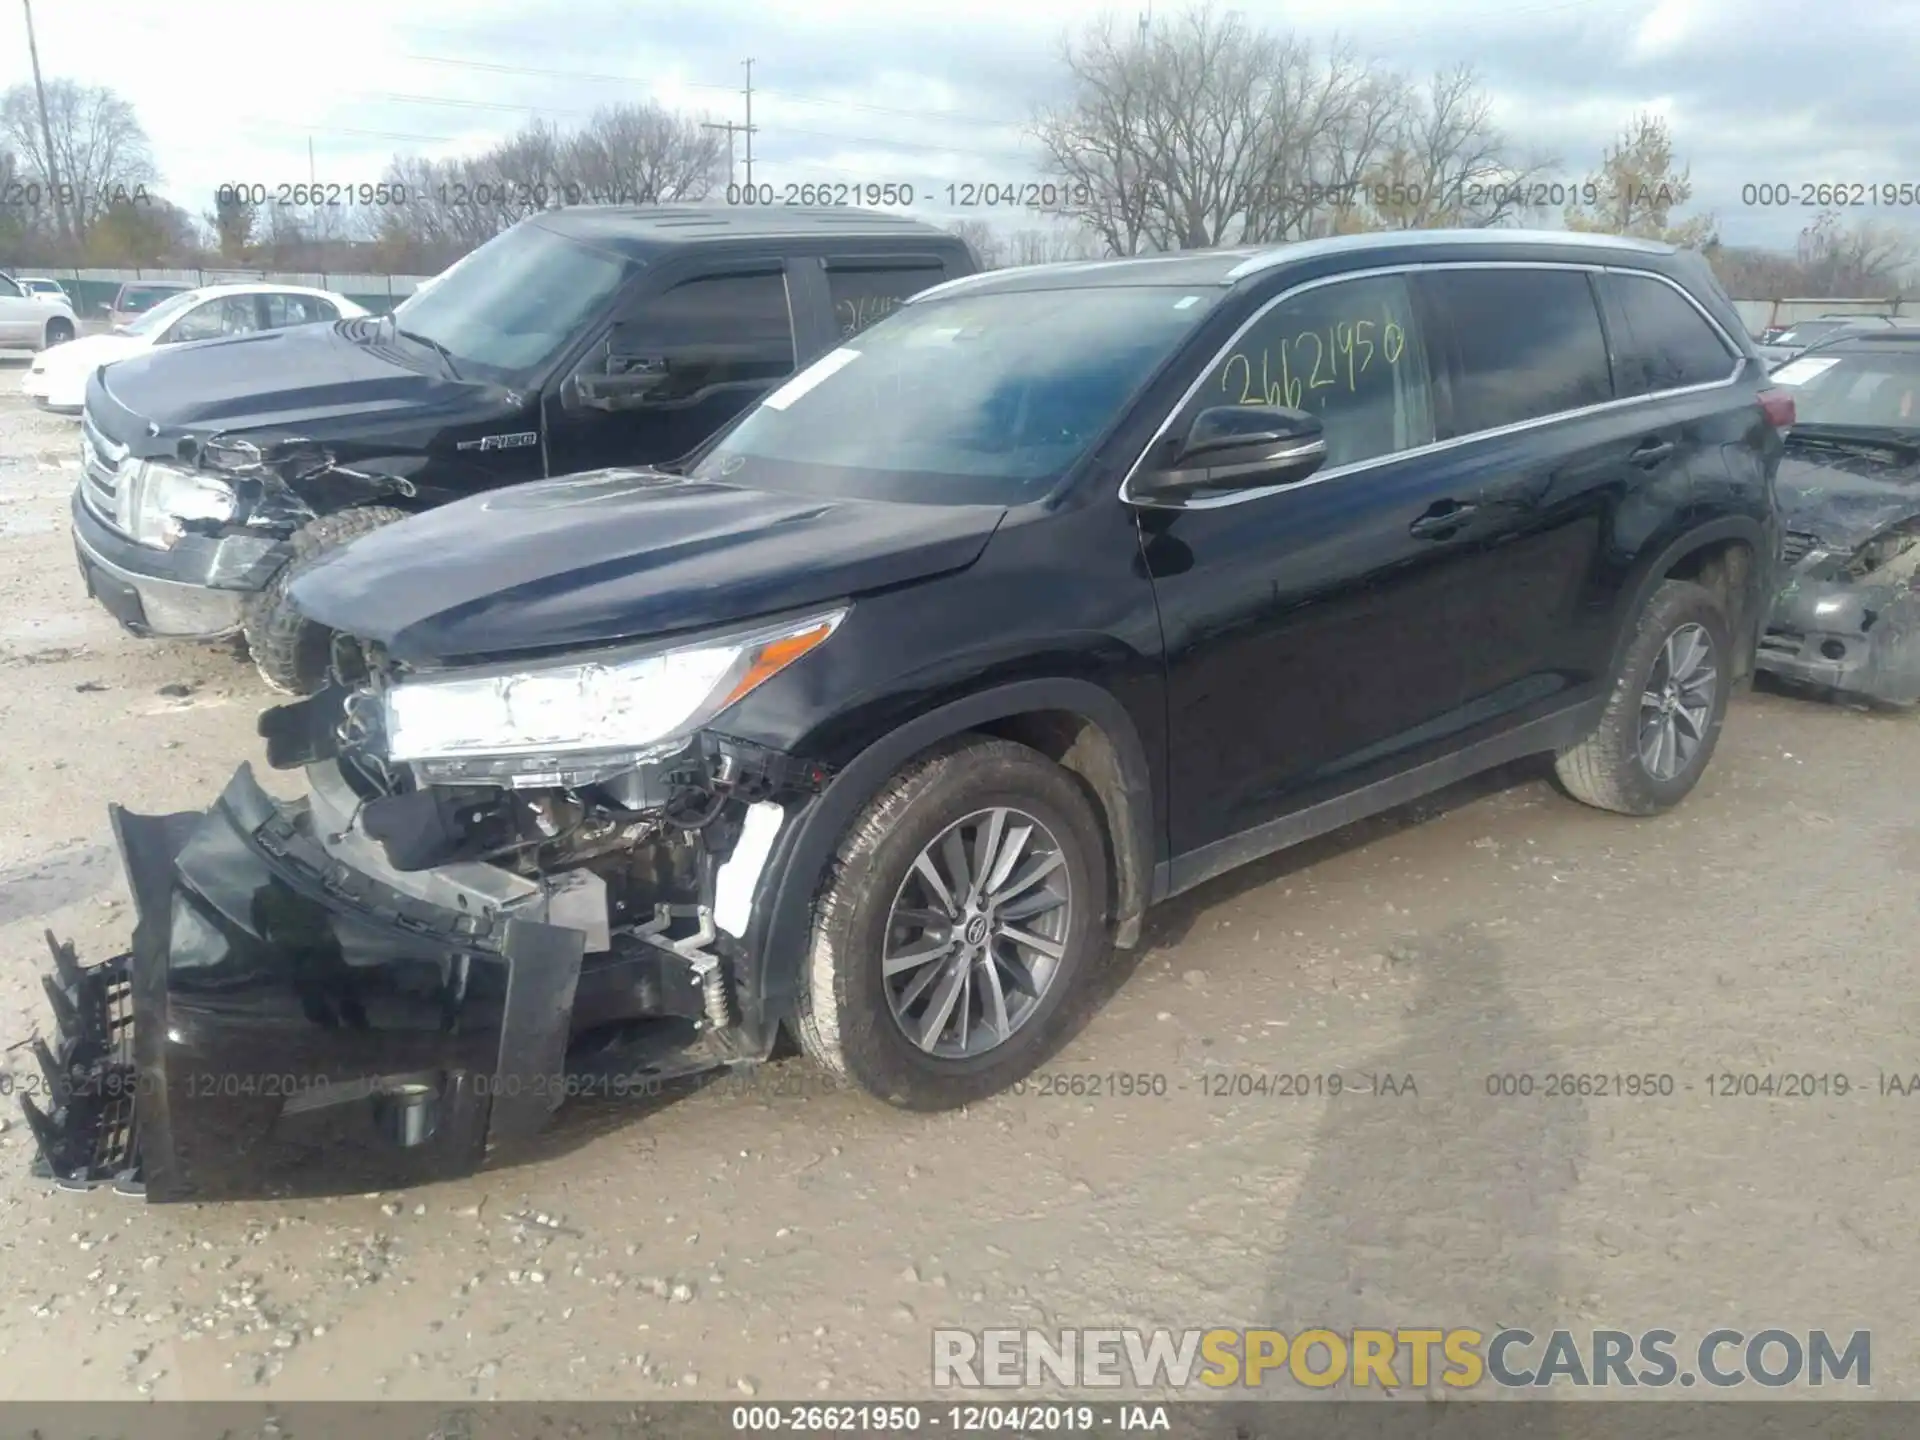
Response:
column 900, row 91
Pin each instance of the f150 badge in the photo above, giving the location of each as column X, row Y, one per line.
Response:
column 501, row 442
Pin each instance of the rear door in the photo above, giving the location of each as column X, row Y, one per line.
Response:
column 19, row 318
column 717, row 338
column 1540, row 461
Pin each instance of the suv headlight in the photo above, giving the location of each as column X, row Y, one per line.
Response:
column 618, row 704
column 155, row 498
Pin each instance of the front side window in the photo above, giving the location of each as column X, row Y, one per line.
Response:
column 1349, row 353
column 229, row 315
column 863, row 295
column 706, row 334
column 284, row 309
column 1519, row 344
column 973, row 399
column 506, row 310
column 1669, row 343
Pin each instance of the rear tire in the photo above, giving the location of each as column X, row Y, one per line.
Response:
column 59, row 331
column 860, row 1023
column 290, row 651
column 1627, row 765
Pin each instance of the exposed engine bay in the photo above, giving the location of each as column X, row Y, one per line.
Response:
column 415, row 964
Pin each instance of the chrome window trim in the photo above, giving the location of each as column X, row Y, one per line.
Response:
column 1438, row 446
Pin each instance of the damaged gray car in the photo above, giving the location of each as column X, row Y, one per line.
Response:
column 1847, row 614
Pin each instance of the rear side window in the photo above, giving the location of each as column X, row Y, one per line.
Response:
column 862, row 295
column 1513, row 345
column 711, row 331
column 1669, row 343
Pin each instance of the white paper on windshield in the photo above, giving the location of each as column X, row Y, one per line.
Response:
column 831, row 363
column 1798, row 372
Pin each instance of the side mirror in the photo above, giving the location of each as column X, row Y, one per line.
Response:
column 1239, row 447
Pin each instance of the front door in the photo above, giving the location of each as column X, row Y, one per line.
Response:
column 718, row 341
column 1310, row 629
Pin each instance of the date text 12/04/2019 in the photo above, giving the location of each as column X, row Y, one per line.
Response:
column 958, row 195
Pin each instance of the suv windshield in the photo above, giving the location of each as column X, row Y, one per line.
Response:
column 163, row 314
column 511, row 306
column 1858, row 389
column 979, row 399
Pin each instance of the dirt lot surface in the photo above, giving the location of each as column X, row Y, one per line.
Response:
column 774, row 1236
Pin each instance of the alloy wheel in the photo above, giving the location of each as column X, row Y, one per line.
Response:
column 1677, row 702
column 976, row 933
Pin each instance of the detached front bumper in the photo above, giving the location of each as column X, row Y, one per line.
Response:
column 285, row 1024
column 1860, row 638
column 196, row 590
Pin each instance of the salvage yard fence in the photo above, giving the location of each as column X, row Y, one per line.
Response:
column 90, row 289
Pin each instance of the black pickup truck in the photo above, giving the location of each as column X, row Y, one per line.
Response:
column 213, row 474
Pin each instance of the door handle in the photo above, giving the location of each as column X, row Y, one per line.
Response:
column 1441, row 519
column 1649, row 453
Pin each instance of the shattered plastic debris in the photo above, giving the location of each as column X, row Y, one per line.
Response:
column 90, row 1136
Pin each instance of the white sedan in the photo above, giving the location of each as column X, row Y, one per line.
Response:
column 58, row 378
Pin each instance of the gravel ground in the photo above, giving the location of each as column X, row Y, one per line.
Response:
column 778, row 1237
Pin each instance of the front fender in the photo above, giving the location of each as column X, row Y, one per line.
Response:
column 780, row 930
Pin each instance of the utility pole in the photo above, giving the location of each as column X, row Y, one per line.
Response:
column 749, row 94
column 311, row 180
column 46, row 129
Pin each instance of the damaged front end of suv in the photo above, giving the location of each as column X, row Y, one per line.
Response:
column 502, row 888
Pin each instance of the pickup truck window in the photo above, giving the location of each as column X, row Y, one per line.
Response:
column 864, row 295
column 711, row 331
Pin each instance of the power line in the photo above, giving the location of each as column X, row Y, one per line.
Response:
column 949, row 116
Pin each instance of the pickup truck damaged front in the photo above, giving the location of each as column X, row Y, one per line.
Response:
column 382, row 984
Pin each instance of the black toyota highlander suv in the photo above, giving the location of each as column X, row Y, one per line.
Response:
column 1050, row 596
column 215, row 473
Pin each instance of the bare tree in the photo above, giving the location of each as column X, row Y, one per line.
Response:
column 1868, row 259
column 1049, row 245
column 232, row 221
column 1207, row 131
column 100, row 152
column 989, row 247
column 645, row 155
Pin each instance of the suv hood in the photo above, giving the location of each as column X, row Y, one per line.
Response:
column 615, row 555
column 301, row 375
column 1843, row 499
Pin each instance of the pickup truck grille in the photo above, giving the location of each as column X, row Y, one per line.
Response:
column 100, row 461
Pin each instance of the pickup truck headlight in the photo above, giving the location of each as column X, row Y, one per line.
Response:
column 154, row 499
column 1880, row 552
column 616, row 704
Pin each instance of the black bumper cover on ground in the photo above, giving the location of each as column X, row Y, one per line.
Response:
column 286, row 1026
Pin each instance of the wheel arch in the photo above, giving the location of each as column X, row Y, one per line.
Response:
column 1731, row 556
column 1075, row 723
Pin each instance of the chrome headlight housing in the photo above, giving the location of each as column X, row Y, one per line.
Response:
column 152, row 500
column 549, row 717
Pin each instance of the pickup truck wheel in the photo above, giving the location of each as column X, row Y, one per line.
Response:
column 289, row 650
column 59, row 331
column 962, row 920
column 1663, row 719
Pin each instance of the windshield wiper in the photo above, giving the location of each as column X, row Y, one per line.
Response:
column 434, row 345
column 1857, row 437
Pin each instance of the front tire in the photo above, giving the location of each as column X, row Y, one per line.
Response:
column 1663, row 719
column 965, row 914
column 290, row 651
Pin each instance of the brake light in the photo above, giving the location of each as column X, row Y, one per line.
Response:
column 1777, row 406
